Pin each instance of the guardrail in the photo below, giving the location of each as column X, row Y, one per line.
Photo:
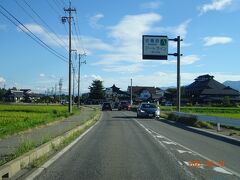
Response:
column 213, row 119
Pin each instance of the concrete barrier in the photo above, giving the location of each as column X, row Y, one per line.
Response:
column 11, row 168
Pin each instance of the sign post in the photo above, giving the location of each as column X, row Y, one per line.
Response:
column 156, row 48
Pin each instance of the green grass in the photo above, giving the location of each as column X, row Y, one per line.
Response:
column 17, row 118
column 227, row 112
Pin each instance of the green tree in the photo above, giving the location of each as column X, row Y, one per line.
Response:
column 96, row 90
column 2, row 93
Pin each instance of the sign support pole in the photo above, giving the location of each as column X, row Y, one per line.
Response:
column 178, row 54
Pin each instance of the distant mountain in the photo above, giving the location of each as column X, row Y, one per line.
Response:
column 233, row 84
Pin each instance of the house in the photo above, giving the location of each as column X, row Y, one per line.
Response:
column 114, row 94
column 144, row 93
column 205, row 89
column 22, row 95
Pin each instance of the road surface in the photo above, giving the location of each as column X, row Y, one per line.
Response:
column 121, row 146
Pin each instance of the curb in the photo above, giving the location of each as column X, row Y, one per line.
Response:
column 221, row 137
column 11, row 168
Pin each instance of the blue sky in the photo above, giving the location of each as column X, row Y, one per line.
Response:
column 110, row 32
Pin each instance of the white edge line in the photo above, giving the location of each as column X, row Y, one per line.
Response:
column 202, row 156
column 39, row 170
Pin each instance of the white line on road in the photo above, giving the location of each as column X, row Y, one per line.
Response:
column 221, row 170
column 182, row 151
column 184, row 147
column 169, row 142
column 58, row 155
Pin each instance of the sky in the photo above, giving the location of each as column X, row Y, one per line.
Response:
column 110, row 34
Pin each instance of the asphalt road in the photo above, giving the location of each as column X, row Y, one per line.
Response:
column 124, row 147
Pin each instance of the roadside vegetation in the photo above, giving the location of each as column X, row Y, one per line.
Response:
column 228, row 112
column 17, row 118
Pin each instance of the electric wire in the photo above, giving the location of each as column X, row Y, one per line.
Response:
column 44, row 22
column 79, row 32
column 31, row 34
column 48, row 34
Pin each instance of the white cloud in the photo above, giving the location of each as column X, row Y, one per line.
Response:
column 179, row 30
column 214, row 40
column 185, row 60
column 32, row 27
column 151, row 5
column 133, row 68
column 2, row 80
column 93, row 22
column 126, row 30
column 215, row 5
column 42, row 75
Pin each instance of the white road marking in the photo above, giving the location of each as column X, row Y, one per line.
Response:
column 184, row 147
column 182, row 151
column 180, row 163
column 221, row 170
column 58, row 155
column 150, row 132
column 169, row 142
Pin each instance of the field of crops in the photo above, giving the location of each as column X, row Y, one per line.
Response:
column 227, row 112
column 16, row 118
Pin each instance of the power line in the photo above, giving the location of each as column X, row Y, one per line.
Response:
column 31, row 35
column 49, row 35
column 44, row 22
column 78, row 32
column 52, row 7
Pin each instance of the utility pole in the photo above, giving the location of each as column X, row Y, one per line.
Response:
column 60, row 88
column 79, row 74
column 131, row 93
column 64, row 19
column 73, row 82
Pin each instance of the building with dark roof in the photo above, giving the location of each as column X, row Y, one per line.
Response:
column 205, row 89
column 115, row 94
column 145, row 93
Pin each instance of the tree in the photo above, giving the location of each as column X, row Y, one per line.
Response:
column 96, row 90
column 2, row 93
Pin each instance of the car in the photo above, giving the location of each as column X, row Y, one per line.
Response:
column 123, row 105
column 106, row 106
column 148, row 110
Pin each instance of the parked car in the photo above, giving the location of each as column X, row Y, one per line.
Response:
column 106, row 106
column 123, row 105
column 148, row 110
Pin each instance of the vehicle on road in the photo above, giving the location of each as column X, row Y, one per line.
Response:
column 106, row 106
column 123, row 105
column 148, row 110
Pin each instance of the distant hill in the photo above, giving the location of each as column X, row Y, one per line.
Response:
column 233, row 84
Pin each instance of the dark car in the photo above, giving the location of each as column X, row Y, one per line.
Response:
column 123, row 105
column 148, row 110
column 106, row 106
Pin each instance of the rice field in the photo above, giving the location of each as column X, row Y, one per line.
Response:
column 16, row 118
